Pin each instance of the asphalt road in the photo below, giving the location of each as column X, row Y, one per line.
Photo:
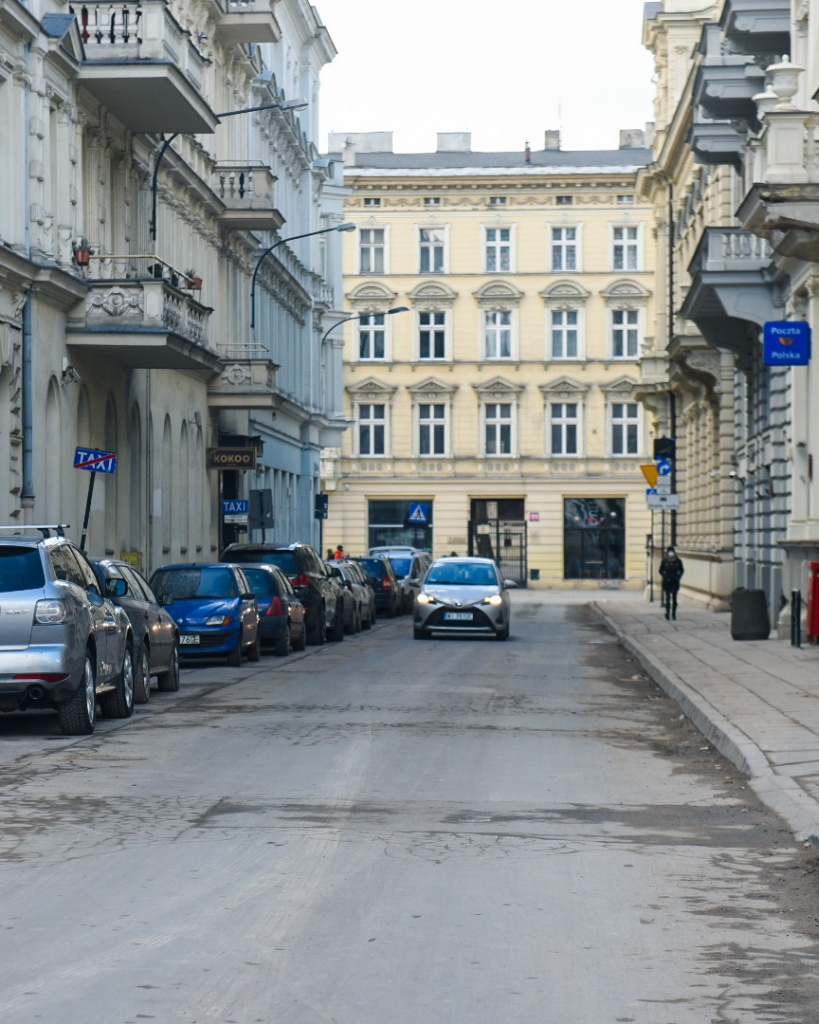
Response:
column 388, row 831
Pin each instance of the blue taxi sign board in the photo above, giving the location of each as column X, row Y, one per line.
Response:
column 95, row 461
column 786, row 343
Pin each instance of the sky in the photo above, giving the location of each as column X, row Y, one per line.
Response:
column 504, row 70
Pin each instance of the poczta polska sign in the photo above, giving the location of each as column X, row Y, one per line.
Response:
column 786, row 343
column 95, row 461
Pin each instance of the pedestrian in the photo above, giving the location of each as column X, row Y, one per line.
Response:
column 329, row 554
column 671, row 571
column 339, row 552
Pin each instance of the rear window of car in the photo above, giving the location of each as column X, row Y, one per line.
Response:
column 401, row 565
column 188, row 584
column 373, row 566
column 20, row 569
column 262, row 583
column 285, row 560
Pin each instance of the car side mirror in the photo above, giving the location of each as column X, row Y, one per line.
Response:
column 165, row 599
column 510, row 584
column 116, row 588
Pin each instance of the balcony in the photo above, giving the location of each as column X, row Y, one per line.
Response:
column 247, row 381
column 732, row 293
column 717, row 142
column 143, row 66
column 248, row 195
column 247, row 21
column 758, row 26
column 139, row 313
column 783, row 207
column 726, row 83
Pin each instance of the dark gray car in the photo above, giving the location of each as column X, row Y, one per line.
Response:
column 63, row 644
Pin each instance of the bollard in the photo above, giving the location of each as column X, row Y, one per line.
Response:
column 796, row 618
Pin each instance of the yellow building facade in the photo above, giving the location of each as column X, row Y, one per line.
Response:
column 500, row 310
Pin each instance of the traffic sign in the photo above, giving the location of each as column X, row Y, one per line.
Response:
column 664, row 467
column 663, row 501
column 418, row 513
column 651, row 473
column 235, row 510
column 95, row 461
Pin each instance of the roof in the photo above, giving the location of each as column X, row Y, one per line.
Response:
column 556, row 160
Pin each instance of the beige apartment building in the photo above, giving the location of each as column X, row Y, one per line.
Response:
column 500, row 306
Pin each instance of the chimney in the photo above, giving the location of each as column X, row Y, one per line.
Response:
column 551, row 140
column 632, row 138
column 454, row 142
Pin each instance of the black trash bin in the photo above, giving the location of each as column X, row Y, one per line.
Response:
column 749, row 615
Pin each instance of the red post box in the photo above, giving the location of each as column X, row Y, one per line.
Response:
column 812, row 625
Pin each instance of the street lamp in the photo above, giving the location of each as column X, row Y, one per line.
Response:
column 362, row 316
column 286, row 105
column 275, row 245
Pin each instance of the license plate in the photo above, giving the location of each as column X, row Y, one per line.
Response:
column 457, row 616
column 190, row 638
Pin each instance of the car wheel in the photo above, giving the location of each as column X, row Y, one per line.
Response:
column 503, row 634
column 142, row 676
column 317, row 634
column 78, row 716
column 336, row 632
column 254, row 652
column 282, row 645
column 120, row 702
column 234, row 659
column 169, row 682
column 368, row 622
column 301, row 640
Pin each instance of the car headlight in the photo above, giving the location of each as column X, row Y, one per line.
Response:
column 493, row 599
column 426, row 599
column 218, row 620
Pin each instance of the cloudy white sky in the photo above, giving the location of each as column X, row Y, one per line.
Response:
column 504, row 70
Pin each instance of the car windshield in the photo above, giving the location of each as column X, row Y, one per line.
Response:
column 20, row 569
column 261, row 583
column 459, row 575
column 401, row 566
column 188, row 584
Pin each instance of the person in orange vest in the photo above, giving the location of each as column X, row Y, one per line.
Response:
column 339, row 552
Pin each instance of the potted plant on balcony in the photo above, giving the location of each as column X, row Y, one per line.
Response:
column 193, row 281
column 82, row 252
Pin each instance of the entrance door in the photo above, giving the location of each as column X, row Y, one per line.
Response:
column 497, row 530
column 594, row 538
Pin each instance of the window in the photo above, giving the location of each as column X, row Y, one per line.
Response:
column 564, row 428
column 626, row 249
column 372, row 201
column 432, row 200
column 564, row 200
column 625, row 200
column 497, row 200
column 498, row 249
column 432, row 250
column 432, row 429
column 564, row 333
column 371, row 429
column 371, row 251
column 498, row 428
column 564, row 248
column 497, row 334
column 432, row 335
column 625, row 333
column 625, row 428
column 371, row 335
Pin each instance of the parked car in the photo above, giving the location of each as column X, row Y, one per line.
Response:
column 463, row 595
column 359, row 599
column 409, row 571
column 213, row 606
column 281, row 613
column 63, row 644
column 311, row 579
column 380, row 573
column 156, row 635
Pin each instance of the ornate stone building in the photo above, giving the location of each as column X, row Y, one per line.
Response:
column 497, row 413
column 150, row 153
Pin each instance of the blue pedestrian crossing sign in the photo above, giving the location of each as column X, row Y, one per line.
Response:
column 418, row 513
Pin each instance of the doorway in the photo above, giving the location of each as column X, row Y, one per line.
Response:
column 497, row 530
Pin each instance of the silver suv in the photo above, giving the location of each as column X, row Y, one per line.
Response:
column 63, row 645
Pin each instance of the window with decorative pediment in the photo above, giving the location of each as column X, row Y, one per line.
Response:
column 371, row 404
column 433, row 301
column 432, row 414
column 565, row 402
column 499, row 320
column 370, row 301
column 499, row 415
column 626, row 302
column 565, row 304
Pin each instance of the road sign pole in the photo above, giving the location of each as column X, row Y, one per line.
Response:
column 87, row 511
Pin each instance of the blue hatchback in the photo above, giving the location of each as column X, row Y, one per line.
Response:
column 215, row 608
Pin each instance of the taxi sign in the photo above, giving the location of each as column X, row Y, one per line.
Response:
column 95, row 461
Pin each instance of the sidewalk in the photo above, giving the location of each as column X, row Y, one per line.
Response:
column 757, row 701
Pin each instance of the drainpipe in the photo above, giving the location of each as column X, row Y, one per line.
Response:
column 672, row 398
column 27, row 383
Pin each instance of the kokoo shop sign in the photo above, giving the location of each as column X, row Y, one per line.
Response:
column 786, row 343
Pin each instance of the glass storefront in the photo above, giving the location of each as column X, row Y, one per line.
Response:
column 594, row 538
column 389, row 523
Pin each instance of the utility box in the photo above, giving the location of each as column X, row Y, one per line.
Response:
column 749, row 615
column 812, row 623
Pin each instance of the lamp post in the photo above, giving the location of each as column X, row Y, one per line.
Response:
column 286, row 105
column 275, row 245
column 362, row 316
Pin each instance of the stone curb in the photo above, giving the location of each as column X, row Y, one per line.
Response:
column 781, row 794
